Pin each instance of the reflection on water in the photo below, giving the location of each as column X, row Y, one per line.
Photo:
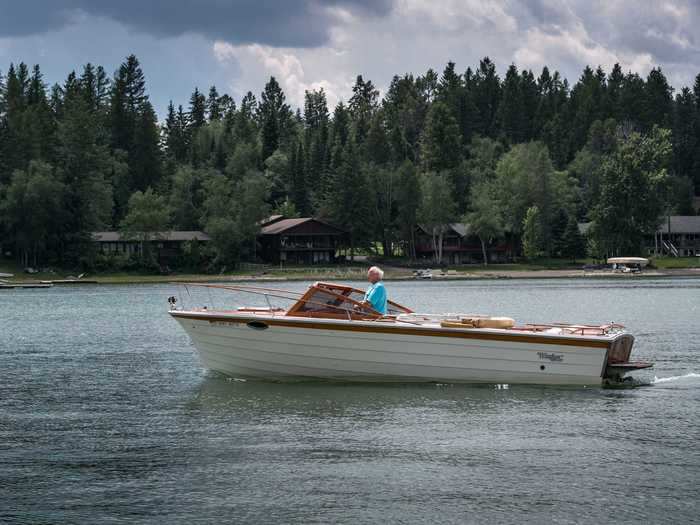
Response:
column 106, row 415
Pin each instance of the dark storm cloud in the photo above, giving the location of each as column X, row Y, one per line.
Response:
column 294, row 23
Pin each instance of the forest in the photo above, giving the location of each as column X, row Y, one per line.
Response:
column 522, row 157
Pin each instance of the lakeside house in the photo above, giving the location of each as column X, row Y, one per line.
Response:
column 676, row 236
column 460, row 246
column 167, row 246
column 304, row 240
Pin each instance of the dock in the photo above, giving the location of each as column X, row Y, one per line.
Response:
column 24, row 285
column 70, row 281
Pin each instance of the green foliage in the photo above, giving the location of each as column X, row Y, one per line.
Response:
column 33, row 210
column 408, row 201
column 526, row 178
column 484, row 220
column 573, row 244
column 276, row 171
column 148, row 214
column 185, row 199
column 532, row 233
column 437, row 208
column 441, row 144
column 633, row 192
column 488, row 150
column 232, row 211
column 348, row 203
column 274, row 117
column 287, row 209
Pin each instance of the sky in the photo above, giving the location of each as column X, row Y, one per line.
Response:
column 310, row 44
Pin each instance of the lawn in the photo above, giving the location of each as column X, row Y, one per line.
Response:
column 668, row 263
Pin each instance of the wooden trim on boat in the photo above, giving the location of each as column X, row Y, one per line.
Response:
column 452, row 333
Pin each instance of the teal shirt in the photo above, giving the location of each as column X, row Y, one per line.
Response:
column 376, row 296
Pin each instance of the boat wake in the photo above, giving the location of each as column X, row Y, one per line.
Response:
column 692, row 376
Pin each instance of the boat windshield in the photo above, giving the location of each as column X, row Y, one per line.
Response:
column 335, row 300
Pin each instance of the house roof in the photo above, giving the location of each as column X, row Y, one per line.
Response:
column 157, row 236
column 460, row 228
column 270, row 220
column 680, row 224
column 287, row 224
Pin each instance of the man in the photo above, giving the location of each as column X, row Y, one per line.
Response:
column 376, row 293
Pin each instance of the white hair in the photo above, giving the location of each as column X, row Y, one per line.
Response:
column 378, row 270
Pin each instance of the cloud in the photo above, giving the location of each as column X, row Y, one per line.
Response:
column 574, row 46
column 286, row 66
column 298, row 23
column 308, row 44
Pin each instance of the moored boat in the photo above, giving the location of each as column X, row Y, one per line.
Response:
column 330, row 334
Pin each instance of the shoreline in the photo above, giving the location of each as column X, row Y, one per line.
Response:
column 392, row 274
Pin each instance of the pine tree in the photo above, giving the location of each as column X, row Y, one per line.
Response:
column 657, row 102
column 377, row 143
column 316, row 123
column 37, row 126
column 685, row 141
column 696, row 161
column 632, row 100
column 587, row 105
column 94, row 85
column 613, row 95
column 450, row 90
column 299, row 190
column 274, row 116
column 214, row 109
column 198, row 111
column 530, row 99
column 487, row 96
column 405, row 107
column 441, row 143
column 145, row 156
column 348, row 203
column 510, row 114
column 573, row 243
column 361, row 106
column 128, row 93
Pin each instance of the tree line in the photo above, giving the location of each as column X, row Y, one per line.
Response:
column 522, row 157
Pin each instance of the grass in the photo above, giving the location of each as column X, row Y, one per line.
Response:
column 669, row 263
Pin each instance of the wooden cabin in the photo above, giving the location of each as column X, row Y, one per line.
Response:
column 460, row 246
column 299, row 241
column 166, row 245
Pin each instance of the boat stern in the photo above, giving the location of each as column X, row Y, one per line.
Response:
column 617, row 364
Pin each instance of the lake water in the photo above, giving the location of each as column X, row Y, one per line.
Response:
column 106, row 416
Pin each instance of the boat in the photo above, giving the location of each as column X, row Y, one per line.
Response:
column 329, row 334
column 628, row 264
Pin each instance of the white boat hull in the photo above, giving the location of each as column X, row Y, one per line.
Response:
column 287, row 349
